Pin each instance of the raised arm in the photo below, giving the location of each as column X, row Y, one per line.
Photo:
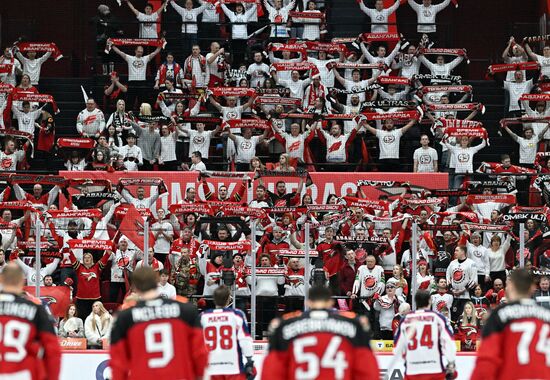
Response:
column 506, row 52
column 439, row 7
column 530, row 53
column 367, row 53
column 132, row 8
column 122, row 54
column 338, row 77
column 408, row 126
column 512, row 134
column 414, row 5
column 215, row 103
column 455, row 62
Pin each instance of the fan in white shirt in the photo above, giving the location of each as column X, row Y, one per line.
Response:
column 389, row 139
column 26, row 119
column 426, row 14
column 296, row 85
column 516, row 88
column 284, row 75
column 356, row 85
column 543, row 60
column 294, row 141
column 90, row 121
column 199, row 140
column 196, row 162
column 137, row 64
column 9, row 59
column 463, row 155
column 278, row 16
column 165, row 289
column 258, row 71
column 378, row 15
column 216, row 64
column 327, row 76
column 141, row 201
column 246, row 147
column 33, row 65
column 189, row 16
column 312, row 26
column 528, row 145
column 11, row 156
column 163, row 232
column 381, row 57
column 148, row 20
column 131, row 153
column 408, row 63
column 440, row 67
column 425, row 158
column 337, row 143
column 518, row 54
column 541, row 111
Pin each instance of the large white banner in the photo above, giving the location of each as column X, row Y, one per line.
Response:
column 94, row 365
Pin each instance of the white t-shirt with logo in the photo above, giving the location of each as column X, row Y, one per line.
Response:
column 246, row 148
column 148, row 25
column 137, row 67
column 515, row 90
column 464, row 157
column 527, row 149
column 426, row 158
column 8, row 162
column 232, row 113
column 199, row 142
column 258, row 73
column 388, row 143
column 544, row 65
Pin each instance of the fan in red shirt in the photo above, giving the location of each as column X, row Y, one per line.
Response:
column 88, row 283
column 157, row 338
column 515, row 341
column 320, row 344
column 26, row 332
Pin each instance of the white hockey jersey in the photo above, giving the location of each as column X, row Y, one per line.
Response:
column 369, row 281
column 461, row 275
column 423, row 339
column 227, row 338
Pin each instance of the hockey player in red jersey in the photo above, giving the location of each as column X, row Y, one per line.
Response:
column 227, row 338
column 25, row 331
column 515, row 341
column 157, row 338
column 320, row 344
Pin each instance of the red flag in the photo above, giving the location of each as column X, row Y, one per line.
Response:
column 57, row 298
column 132, row 228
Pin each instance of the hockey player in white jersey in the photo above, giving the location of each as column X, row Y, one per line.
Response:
column 424, row 341
column 228, row 339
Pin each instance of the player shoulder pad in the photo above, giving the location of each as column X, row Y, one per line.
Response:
column 182, row 299
column 293, row 314
column 347, row 314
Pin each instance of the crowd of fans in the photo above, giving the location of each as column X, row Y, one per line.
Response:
column 303, row 99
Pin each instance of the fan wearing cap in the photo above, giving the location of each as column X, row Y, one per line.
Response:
column 424, row 280
column 388, row 306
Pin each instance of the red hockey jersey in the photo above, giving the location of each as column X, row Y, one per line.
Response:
column 515, row 343
column 25, row 330
column 158, row 339
column 320, row 344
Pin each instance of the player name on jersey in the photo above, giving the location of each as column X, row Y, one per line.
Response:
column 312, row 325
column 521, row 311
column 19, row 310
column 148, row 313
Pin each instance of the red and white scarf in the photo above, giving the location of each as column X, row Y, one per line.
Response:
column 189, row 65
column 484, row 198
column 38, row 98
column 164, row 68
column 233, row 91
column 41, row 46
column 535, row 97
column 371, row 37
column 135, row 42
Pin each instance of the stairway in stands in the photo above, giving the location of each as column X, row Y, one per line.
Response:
column 70, row 101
